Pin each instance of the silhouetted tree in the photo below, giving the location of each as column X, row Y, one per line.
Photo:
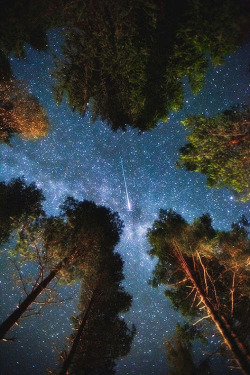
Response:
column 5, row 68
column 84, row 230
column 102, row 335
column 20, row 204
column 26, row 21
column 180, row 356
column 128, row 58
column 211, row 267
column 219, row 147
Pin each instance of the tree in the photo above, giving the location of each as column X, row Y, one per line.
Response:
column 20, row 204
column 20, row 111
column 211, row 266
column 102, row 335
column 219, row 147
column 69, row 242
column 126, row 60
column 105, row 56
column 180, row 356
column 26, row 21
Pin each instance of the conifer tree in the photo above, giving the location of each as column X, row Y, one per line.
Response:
column 204, row 268
column 101, row 335
column 70, row 243
column 125, row 60
column 20, row 204
column 20, row 111
column 219, row 147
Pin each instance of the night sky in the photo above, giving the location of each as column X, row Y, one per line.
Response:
column 82, row 159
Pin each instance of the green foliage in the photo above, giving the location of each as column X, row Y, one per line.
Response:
column 217, row 261
column 179, row 357
column 219, row 148
column 180, row 302
column 188, row 333
column 105, row 60
column 82, row 237
column 127, row 59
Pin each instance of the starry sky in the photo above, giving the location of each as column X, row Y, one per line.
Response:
column 82, row 159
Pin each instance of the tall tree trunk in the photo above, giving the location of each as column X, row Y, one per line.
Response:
column 230, row 338
column 18, row 312
column 68, row 360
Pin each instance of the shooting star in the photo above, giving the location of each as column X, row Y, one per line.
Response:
column 126, row 189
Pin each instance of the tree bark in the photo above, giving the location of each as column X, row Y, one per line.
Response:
column 68, row 360
column 20, row 310
column 230, row 338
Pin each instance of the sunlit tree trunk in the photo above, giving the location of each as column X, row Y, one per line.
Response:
column 230, row 338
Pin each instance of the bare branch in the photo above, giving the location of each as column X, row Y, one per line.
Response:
column 194, row 298
column 20, row 276
column 178, row 282
column 11, row 339
column 204, row 317
column 201, row 301
column 204, row 271
column 232, row 294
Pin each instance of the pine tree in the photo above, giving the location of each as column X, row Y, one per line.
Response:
column 125, row 60
column 102, row 335
column 219, row 147
column 72, row 242
column 20, row 111
column 208, row 269
column 20, row 205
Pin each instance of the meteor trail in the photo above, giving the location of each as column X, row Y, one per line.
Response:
column 125, row 183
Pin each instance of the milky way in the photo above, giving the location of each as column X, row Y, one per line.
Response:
column 82, row 159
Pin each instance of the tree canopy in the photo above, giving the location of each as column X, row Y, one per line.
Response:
column 78, row 243
column 219, row 147
column 82, row 228
column 102, row 336
column 20, row 111
column 26, row 21
column 20, row 203
column 180, row 353
column 127, row 59
column 205, row 268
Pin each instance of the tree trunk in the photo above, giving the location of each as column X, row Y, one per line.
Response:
column 68, row 360
column 18, row 312
column 230, row 338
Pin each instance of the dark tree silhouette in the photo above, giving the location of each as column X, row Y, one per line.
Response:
column 127, row 59
column 180, row 356
column 210, row 266
column 26, row 21
column 102, row 335
column 85, row 230
column 20, row 204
